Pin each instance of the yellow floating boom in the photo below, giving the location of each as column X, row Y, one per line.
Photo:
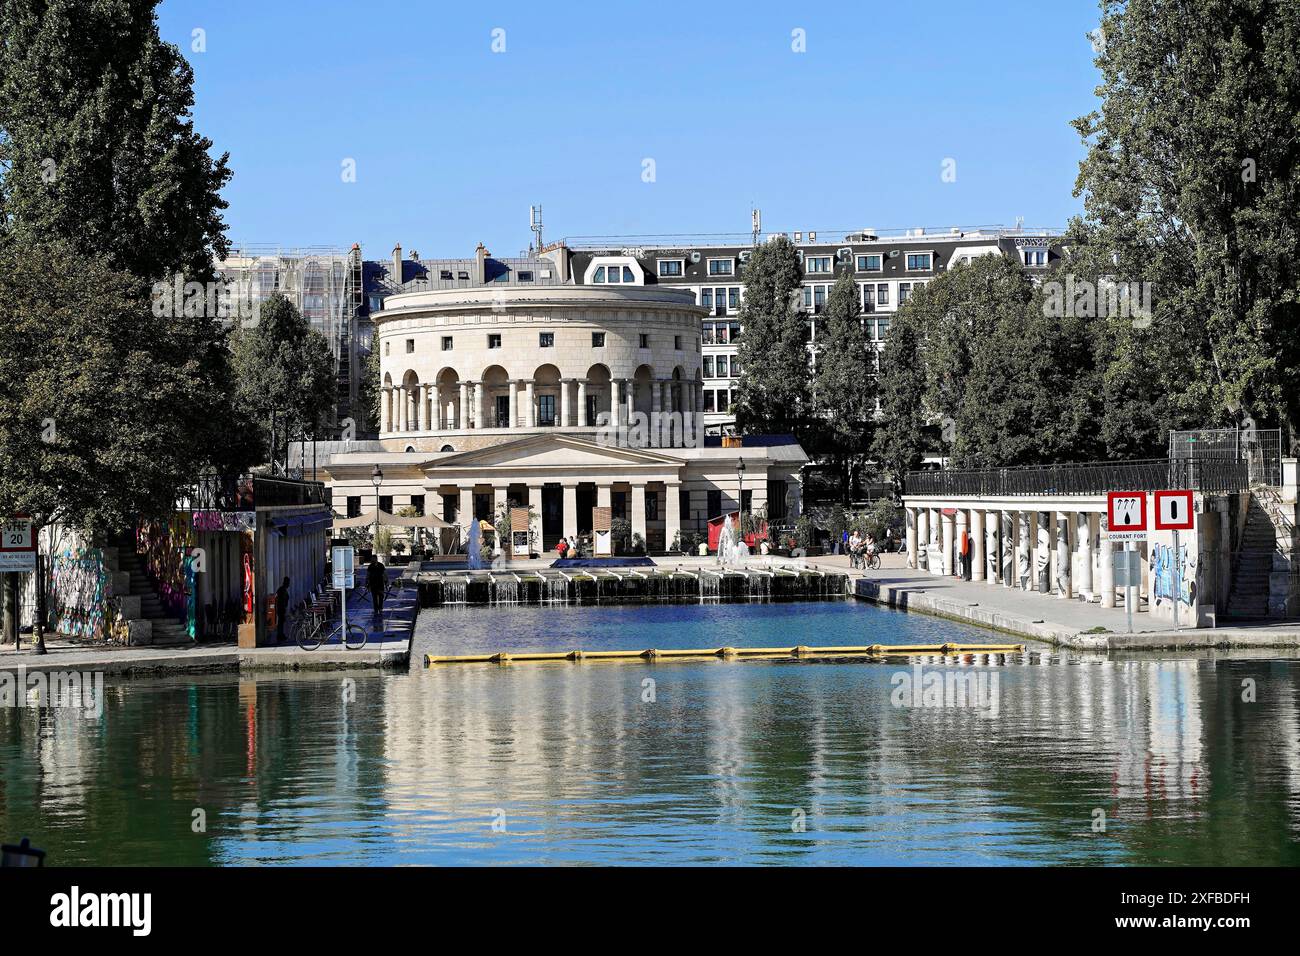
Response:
column 653, row 653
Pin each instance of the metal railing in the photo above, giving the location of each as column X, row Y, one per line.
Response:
column 232, row 493
column 1260, row 448
column 1087, row 478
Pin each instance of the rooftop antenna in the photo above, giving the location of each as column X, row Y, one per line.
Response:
column 535, row 223
column 756, row 222
column 1020, row 223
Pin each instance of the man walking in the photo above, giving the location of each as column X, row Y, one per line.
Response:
column 376, row 580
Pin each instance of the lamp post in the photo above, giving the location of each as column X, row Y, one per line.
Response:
column 740, row 500
column 376, row 479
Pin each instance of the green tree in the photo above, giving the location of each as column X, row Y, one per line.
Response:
column 105, row 188
column 97, row 144
column 99, row 397
column 284, row 373
column 899, row 443
column 1192, row 183
column 774, row 393
column 368, row 391
column 844, row 386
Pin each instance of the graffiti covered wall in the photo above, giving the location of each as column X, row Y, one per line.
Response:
column 1175, row 575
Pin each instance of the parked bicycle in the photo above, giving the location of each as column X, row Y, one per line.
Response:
column 311, row 629
column 872, row 560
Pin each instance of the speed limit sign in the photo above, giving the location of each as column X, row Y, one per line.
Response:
column 17, row 545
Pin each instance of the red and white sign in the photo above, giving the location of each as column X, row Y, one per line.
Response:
column 1174, row 511
column 17, row 545
column 1126, row 515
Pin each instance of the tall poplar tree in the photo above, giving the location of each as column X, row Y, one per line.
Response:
column 775, row 388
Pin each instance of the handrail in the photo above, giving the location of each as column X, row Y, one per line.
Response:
column 1084, row 478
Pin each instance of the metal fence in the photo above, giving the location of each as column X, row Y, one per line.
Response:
column 1260, row 448
column 248, row 492
column 1089, row 478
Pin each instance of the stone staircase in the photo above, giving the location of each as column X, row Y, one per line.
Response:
column 1262, row 585
column 163, row 629
column 1254, row 565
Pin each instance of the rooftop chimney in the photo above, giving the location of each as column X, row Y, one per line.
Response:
column 480, row 274
column 397, row 264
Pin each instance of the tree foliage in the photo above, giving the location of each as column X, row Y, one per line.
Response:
column 774, row 393
column 844, row 384
column 284, row 374
column 1192, row 183
column 104, row 406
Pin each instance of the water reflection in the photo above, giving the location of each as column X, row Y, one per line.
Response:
column 675, row 762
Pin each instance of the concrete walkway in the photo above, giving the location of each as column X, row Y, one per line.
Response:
column 1044, row 617
column 389, row 646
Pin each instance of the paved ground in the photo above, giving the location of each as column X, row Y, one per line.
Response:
column 389, row 646
column 1046, row 617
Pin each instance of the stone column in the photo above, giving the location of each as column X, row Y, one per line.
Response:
column 535, row 518
column 1043, row 552
column 976, row 544
column 465, row 512
column 1007, row 550
column 570, row 517
column 949, row 532
column 604, row 496
column 462, row 416
column 513, row 385
column 565, row 403
column 500, row 499
column 657, row 397
column 638, row 510
column 912, row 560
column 922, row 538
column 1024, row 572
column 582, row 403
column 961, row 522
column 992, row 551
column 421, row 413
column 530, row 403
column 1107, row 572
column 386, row 410
column 482, row 419
column 631, row 399
column 1064, row 571
column 672, row 512
column 1083, row 542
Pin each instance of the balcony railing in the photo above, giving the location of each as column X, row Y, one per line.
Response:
column 231, row 493
column 1090, row 478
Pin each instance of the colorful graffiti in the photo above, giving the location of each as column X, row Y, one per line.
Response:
column 1173, row 573
column 77, row 602
column 224, row 520
column 165, row 549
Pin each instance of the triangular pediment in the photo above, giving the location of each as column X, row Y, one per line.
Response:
column 555, row 451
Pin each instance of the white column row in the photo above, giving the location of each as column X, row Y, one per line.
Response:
column 1060, row 552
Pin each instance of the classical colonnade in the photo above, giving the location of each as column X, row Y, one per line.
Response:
column 1048, row 551
column 667, row 491
column 467, row 404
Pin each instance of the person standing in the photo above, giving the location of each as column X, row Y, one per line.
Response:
column 281, row 610
column 376, row 581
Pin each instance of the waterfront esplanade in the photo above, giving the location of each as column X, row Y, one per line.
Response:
column 465, row 368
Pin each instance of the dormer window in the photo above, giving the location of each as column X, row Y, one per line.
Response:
column 869, row 262
column 919, row 261
column 817, row 264
column 721, row 267
column 671, row 268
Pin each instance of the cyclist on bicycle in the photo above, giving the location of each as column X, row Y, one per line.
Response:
column 869, row 548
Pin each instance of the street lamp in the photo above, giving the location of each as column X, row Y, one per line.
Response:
column 376, row 479
column 740, row 501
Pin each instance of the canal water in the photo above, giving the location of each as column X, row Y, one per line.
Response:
column 1063, row 758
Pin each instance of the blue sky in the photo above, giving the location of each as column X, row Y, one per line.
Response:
column 452, row 141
